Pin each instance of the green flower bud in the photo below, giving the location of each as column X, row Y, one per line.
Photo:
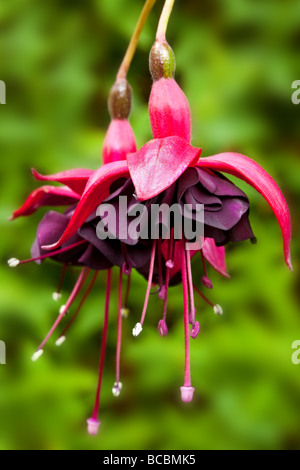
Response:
column 162, row 61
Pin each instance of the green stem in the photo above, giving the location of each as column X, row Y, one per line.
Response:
column 122, row 72
column 164, row 19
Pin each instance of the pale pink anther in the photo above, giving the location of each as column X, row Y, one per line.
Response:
column 195, row 330
column 207, row 282
column 162, row 328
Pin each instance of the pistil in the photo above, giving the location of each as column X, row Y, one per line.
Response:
column 187, row 390
column 93, row 423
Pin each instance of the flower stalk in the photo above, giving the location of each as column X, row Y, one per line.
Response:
column 164, row 20
column 124, row 67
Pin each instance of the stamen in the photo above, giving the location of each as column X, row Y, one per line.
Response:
column 90, row 286
column 138, row 327
column 79, row 283
column 216, row 308
column 203, row 296
column 13, row 262
column 57, row 295
column 119, row 337
column 36, row 355
column 93, row 423
column 205, row 279
column 187, row 390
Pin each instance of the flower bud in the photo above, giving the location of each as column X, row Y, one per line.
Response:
column 119, row 101
column 168, row 107
column 162, row 61
column 119, row 139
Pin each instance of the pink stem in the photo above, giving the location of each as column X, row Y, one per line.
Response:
column 203, row 263
column 187, row 371
column 62, row 277
column 103, row 346
column 170, row 249
column 79, row 283
column 81, row 304
column 151, row 267
column 203, row 296
column 190, row 284
column 54, row 253
column 127, row 290
column 159, row 263
column 119, row 339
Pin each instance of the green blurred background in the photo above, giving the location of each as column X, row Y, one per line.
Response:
column 236, row 62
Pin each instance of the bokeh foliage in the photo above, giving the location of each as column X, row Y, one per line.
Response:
column 236, row 62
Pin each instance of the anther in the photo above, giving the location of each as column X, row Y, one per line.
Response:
column 13, row 262
column 170, row 264
column 162, row 327
column 117, row 389
column 207, row 282
column 195, row 330
column 137, row 329
column 60, row 340
column 62, row 309
column 218, row 309
column 125, row 312
column 56, row 296
column 36, row 355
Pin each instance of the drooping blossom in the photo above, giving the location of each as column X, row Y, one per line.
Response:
column 171, row 168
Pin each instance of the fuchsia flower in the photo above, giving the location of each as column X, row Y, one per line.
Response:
column 167, row 163
column 166, row 169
